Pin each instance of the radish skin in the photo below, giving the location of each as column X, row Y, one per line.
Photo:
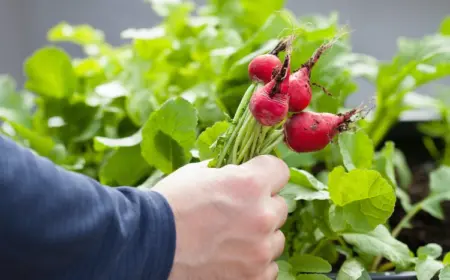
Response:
column 269, row 105
column 310, row 132
column 299, row 90
column 261, row 68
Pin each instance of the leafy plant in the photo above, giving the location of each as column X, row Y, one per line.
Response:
column 131, row 114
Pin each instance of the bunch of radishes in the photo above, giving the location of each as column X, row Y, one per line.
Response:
column 285, row 95
column 272, row 111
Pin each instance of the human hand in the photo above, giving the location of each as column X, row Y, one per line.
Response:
column 227, row 219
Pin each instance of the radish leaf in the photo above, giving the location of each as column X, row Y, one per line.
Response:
column 380, row 242
column 363, row 198
column 169, row 135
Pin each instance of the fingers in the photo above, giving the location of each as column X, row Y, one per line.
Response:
column 281, row 210
column 269, row 171
column 278, row 241
column 271, row 272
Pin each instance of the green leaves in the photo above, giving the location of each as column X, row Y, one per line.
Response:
column 431, row 250
column 427, row 268
column 445, row 26
column 305, row 179
column 115, row 172
column 352, row 269
column 208, row 137
column 49, row 73
column 79, row 34
column 15, row 107
column 439, row 191
column 309, row 263
column 379, row 242
column 169, row 135
column 418, row 62
column 356, row 149
column 362, row 198
column 445, row 273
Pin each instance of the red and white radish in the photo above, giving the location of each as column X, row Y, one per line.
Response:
column 261, row 68
column 300, row 85
column 310, row 131
column 269, row 104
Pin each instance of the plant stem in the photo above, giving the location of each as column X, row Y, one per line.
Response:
column 243, row 133
column 262, row 137
column 243, row 152
column 230, row 139
column 406, row 219
column 267, row 149
column 257, row 130
column 386, row 267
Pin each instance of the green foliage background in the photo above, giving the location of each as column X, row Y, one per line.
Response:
column 131, row 114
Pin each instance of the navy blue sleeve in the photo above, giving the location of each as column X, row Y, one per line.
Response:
column 56, row 224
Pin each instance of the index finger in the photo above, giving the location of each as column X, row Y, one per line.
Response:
column 270, row 172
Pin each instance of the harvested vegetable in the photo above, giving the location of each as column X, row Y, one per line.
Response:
column 261, row 67
column 311, row 131
column 300, row 82
column 270, row 103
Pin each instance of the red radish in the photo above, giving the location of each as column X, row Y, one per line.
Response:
column 270, row 103
column 300, row 85
column 261, row 67
column 309, row 131
column 299, row 90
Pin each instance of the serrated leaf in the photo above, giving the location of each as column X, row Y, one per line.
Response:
column 208, row 137
column 352, row 269
column 49, row 73
column 431, row 250
column 309, row 263
column 356, row 149
column 366, row 198
column 439, row 191
column 125, row 167
column 169, row 135
column 426, row 269
column 305, row 179
column 380, row 242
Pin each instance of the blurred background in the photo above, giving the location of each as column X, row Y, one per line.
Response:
column 376, row 25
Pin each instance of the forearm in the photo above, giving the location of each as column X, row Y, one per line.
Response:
column 62, row 225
